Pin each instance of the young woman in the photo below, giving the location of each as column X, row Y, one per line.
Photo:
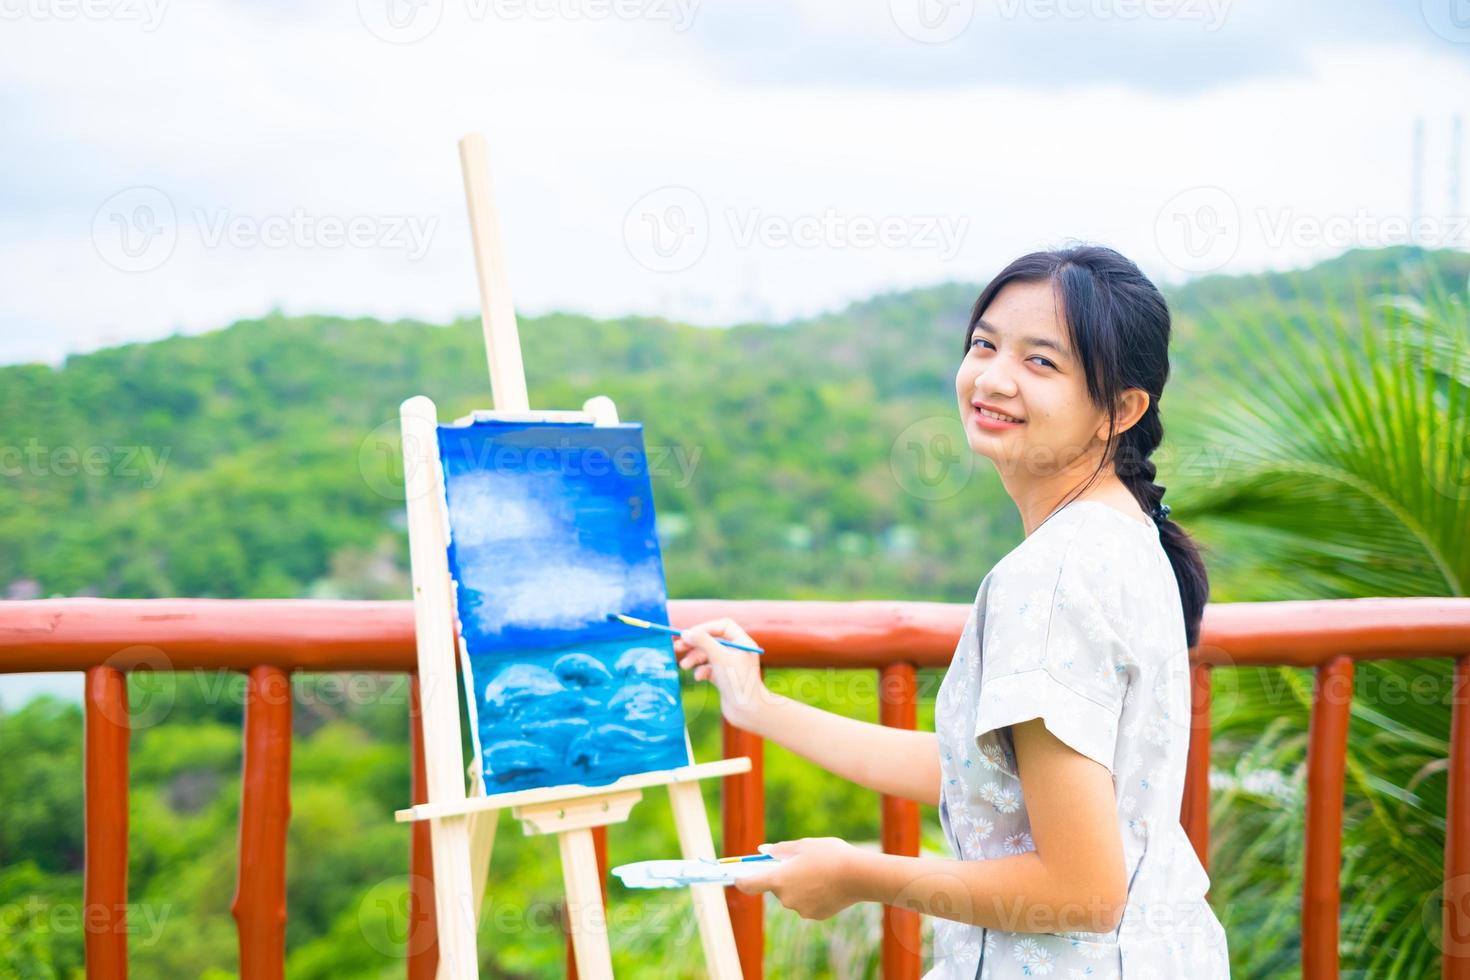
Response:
column 1063, row 720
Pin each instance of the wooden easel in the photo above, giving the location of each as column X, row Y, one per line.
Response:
column 462, row 825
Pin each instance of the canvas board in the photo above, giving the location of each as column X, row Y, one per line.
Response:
column 551, row 527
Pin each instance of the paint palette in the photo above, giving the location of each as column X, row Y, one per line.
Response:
column 682, row 873
column 551, row 527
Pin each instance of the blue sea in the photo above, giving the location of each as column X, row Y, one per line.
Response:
column 586, row 714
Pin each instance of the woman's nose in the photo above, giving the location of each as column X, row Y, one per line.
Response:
column 995, row 381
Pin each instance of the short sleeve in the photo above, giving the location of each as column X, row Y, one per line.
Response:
column 1052, row 650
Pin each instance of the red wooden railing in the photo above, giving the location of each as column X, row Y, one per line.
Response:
column 265, row 808
column 269, row 639
column 105, row 888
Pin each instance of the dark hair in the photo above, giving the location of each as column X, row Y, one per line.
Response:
column 1118, row 324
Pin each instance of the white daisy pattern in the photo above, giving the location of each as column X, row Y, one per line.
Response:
column 1003, row 798
column 1089, row 950
column 978, row 834
column 1156, row 730
column 1070, row 627
column 1036, row 960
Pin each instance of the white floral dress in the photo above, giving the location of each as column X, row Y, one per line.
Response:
column 1081, row 625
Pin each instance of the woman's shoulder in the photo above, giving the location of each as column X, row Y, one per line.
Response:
column 1079, row 534
column 1088, row 547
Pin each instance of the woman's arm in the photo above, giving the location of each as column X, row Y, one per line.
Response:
column 890, row 760
column 894, row 761
column 1075, row 879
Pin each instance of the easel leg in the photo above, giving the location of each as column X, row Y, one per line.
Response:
column 481, row 832
column 458, row 957
column 710, row 912
column 482, row 839
column 585, row 915
column 482, row 842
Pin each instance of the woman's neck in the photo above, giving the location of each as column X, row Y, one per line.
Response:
column 1037, row 506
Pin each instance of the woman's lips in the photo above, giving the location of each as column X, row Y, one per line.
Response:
column 986, row 422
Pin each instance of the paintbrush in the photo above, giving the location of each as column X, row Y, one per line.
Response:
column 742, row 859
column 645, row 624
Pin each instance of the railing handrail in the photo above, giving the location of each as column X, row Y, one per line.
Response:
column 359, row 635
column 270, row 638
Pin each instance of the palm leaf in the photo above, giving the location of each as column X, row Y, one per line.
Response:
column 1340, row 449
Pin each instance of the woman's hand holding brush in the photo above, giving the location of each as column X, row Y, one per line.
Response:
column 734, row 673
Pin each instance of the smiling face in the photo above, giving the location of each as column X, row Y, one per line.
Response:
column 1021, row 364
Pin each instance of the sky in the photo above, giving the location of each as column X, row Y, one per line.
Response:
column 174, row 167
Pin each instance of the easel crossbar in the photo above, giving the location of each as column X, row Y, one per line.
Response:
column 554, row 794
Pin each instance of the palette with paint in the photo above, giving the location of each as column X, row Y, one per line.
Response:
column 680, row 873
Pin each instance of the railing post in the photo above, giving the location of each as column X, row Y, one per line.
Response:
column 1332, row 702
column 1195, row 810
column 259, row 906
column 422, row 944
column 1456, row 922
column 898, row 708
column 743, row 829
column 105, row 888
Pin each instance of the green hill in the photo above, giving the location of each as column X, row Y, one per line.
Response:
column 795, row 460
column 800, row 460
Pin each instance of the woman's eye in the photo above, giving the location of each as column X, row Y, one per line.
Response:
column 981, row 340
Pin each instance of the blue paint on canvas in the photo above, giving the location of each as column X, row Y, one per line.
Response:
column 552, row 528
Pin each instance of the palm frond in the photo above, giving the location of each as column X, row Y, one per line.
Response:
column 1339, row 444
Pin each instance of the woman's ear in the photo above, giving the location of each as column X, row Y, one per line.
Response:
column 1132, row 403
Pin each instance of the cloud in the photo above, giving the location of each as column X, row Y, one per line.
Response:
column 568, row 589
column 1177, row 48
column 489, row 507
column 513, row 551
column 1032, row 130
